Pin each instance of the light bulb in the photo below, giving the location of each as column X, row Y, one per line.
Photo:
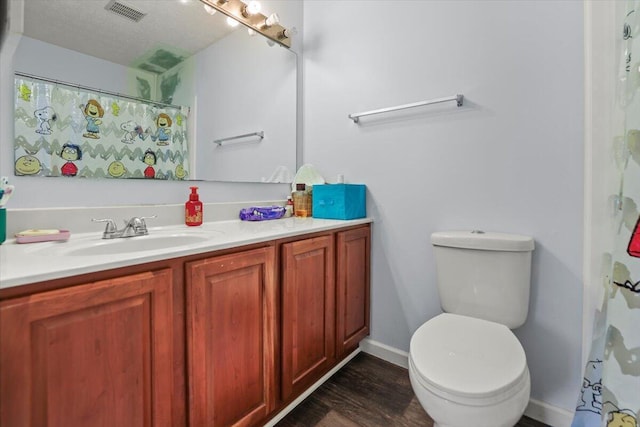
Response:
column 270, row 42
column 209, row 9
column 251, row 32
column 290, row 32
column 253, row 7
column 287, row 33
column 232, row 22
column 273, row 19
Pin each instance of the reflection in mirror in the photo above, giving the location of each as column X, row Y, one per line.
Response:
column 71, row 131
column 235, row 86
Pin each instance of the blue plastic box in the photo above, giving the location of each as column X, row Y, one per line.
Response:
column 339, row 201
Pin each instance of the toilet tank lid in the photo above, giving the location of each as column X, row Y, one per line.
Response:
column 488, row 240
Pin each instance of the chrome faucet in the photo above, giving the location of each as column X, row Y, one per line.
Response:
column 136, row 226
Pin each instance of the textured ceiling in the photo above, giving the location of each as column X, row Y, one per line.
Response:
column 170, row 28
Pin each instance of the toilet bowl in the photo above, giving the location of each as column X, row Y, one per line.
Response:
column 467, row 371
column 466, row 366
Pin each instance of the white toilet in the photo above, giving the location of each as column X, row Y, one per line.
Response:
column 466, row 366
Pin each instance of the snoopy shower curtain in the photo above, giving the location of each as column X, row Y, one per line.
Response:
column 74, row 132
column 610, row 392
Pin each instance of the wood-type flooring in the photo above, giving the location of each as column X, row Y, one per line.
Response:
column 367, row 392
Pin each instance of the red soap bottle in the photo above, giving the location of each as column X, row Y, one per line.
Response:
column 193, row 209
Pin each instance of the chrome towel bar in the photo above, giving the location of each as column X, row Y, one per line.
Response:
column 458, row 98
column 220, row 141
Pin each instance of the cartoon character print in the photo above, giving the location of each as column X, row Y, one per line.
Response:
column 45, row 116
column 115, row 109
column 130, row 131
column 591, row 392
column 93, row 113
column 622, row 278
column 71, row 153
column 634, row 243
column 163, row 129
column 149, row 159
column 25, row 92
column 627, row 357
column 142, row 134
column 180, row 173
column 116, row 169
column 27, row 165
column 621, row 419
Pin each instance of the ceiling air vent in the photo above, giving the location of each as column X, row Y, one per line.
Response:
column 125, row 11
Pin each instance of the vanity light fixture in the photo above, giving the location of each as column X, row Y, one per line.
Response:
column 248, row 15
column 252, row 8
column 209, row 9
column 271, row 20
column 288, row 33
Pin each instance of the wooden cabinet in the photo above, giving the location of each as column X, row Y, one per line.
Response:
column 352, row 288
column 231, row 332
column 89, row 355
column 220, row 339
column 308, row 312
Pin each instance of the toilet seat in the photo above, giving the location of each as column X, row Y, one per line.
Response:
column 467, row 360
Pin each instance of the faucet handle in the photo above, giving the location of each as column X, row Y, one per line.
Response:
column 142, row 218
column 138, row 224
column 144, row 224
column 110, row 227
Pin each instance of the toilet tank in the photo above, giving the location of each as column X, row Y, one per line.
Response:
column 484, row 274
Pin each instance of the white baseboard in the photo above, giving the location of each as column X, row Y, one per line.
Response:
column 385, row 352
column 548, row 414
column 538, row 410
column 272, row 422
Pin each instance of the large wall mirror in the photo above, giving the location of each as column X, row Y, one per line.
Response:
column 238, row 91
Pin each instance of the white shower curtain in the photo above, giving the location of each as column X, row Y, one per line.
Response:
column 610, row 393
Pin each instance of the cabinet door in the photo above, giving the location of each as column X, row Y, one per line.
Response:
column 231, row 326
column 308, row 312
column 352, row 289
column 98, row 354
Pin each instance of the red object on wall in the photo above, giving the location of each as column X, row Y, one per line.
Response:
column 634, row 243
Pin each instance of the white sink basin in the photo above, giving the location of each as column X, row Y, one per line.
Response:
column 137, row 244
column 96, row 246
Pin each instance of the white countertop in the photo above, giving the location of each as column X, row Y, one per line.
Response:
column 22, row 264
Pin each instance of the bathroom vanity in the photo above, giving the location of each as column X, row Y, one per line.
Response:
column 227, row 331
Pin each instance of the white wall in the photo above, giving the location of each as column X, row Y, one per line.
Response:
column 510, row 160
column 47, row 60
column 255, row 92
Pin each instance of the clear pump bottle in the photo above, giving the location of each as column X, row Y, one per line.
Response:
column 301, row 201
